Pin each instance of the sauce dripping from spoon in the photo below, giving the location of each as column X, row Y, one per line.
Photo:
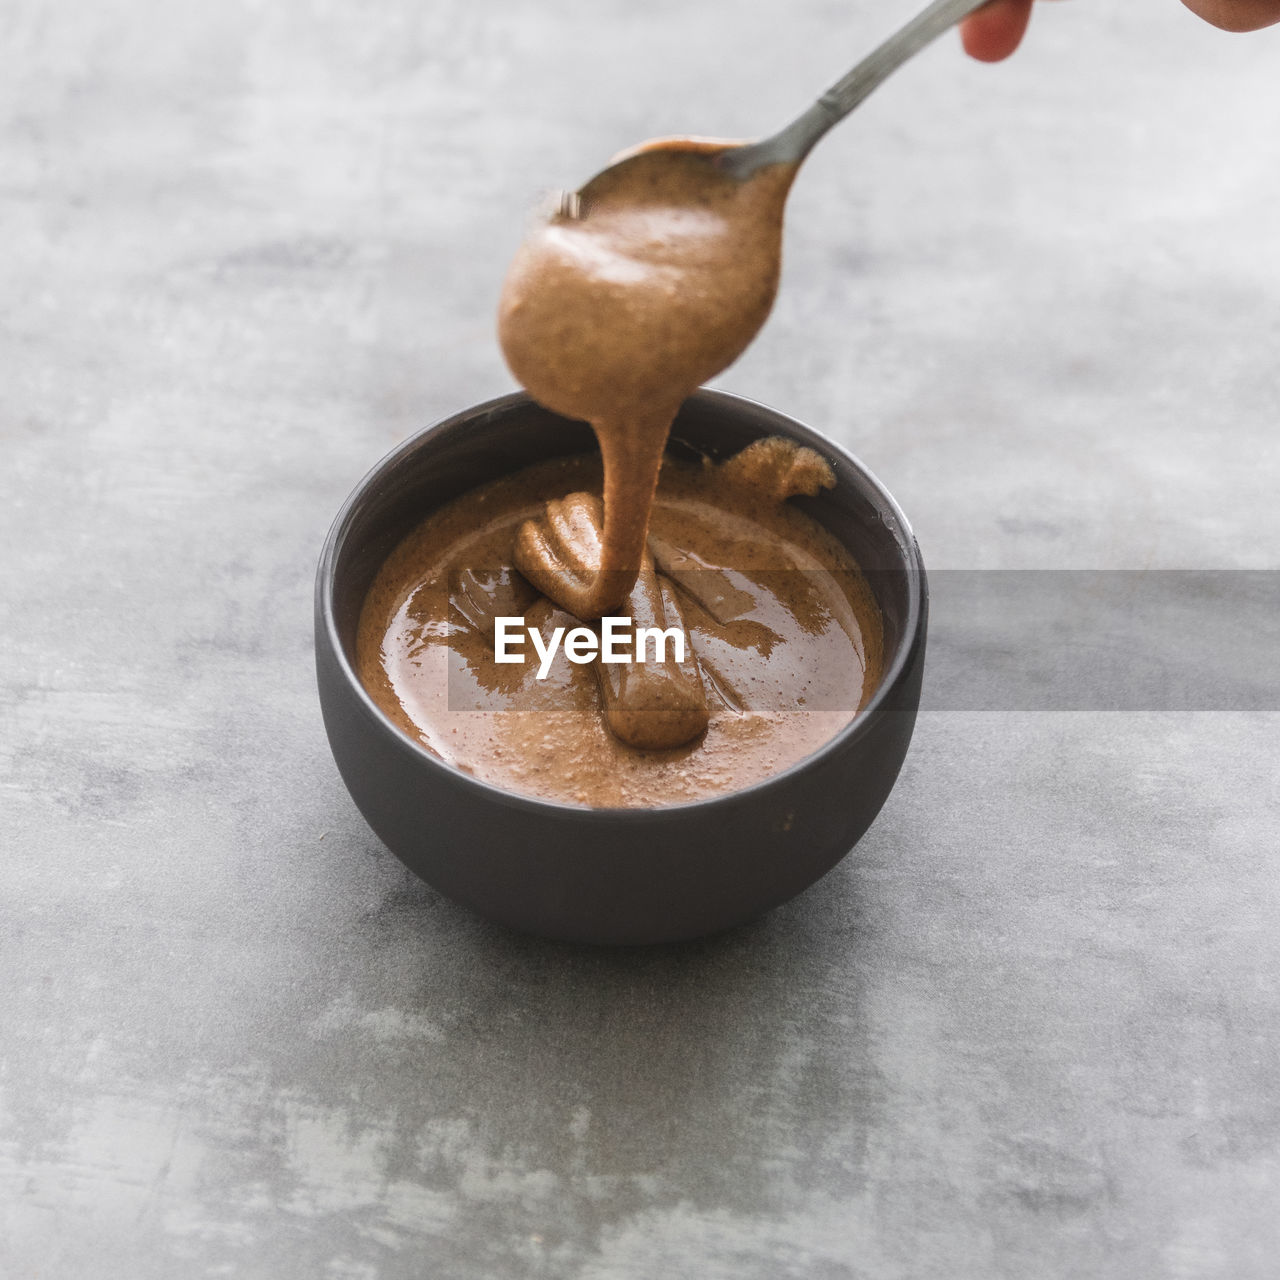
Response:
column 616, row 315
column 615, row 311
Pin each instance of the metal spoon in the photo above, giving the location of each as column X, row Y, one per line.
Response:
column 793, row 143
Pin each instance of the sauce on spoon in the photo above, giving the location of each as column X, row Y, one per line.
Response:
column 616, row 315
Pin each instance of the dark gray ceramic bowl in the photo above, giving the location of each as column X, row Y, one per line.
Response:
column 612, row 875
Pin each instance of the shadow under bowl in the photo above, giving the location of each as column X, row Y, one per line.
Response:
column 623, row 876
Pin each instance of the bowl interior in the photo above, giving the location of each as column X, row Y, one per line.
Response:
column 505, row 435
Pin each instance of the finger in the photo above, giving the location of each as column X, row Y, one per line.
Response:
column 995, row 30
column 1237, row 15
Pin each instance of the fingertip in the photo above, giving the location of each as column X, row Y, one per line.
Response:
column 996, row 30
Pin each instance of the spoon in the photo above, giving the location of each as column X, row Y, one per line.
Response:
column 653, row 278
column 791, row 144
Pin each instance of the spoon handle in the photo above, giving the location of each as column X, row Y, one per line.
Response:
column 795, row 142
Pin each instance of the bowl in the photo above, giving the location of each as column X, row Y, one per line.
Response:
column 621, row 876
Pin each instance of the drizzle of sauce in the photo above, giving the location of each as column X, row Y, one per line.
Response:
column 616, row 315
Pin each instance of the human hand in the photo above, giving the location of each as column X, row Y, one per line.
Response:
column 996, row 30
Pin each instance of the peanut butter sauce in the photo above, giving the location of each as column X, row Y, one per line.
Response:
column 784, row 629
column 616, row 315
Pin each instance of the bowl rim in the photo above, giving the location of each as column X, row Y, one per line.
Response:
column 860, row 726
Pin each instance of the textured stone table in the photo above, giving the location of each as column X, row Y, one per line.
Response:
column 1028, row 1030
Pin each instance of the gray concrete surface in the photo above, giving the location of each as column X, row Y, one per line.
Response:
column 1028, row 1030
